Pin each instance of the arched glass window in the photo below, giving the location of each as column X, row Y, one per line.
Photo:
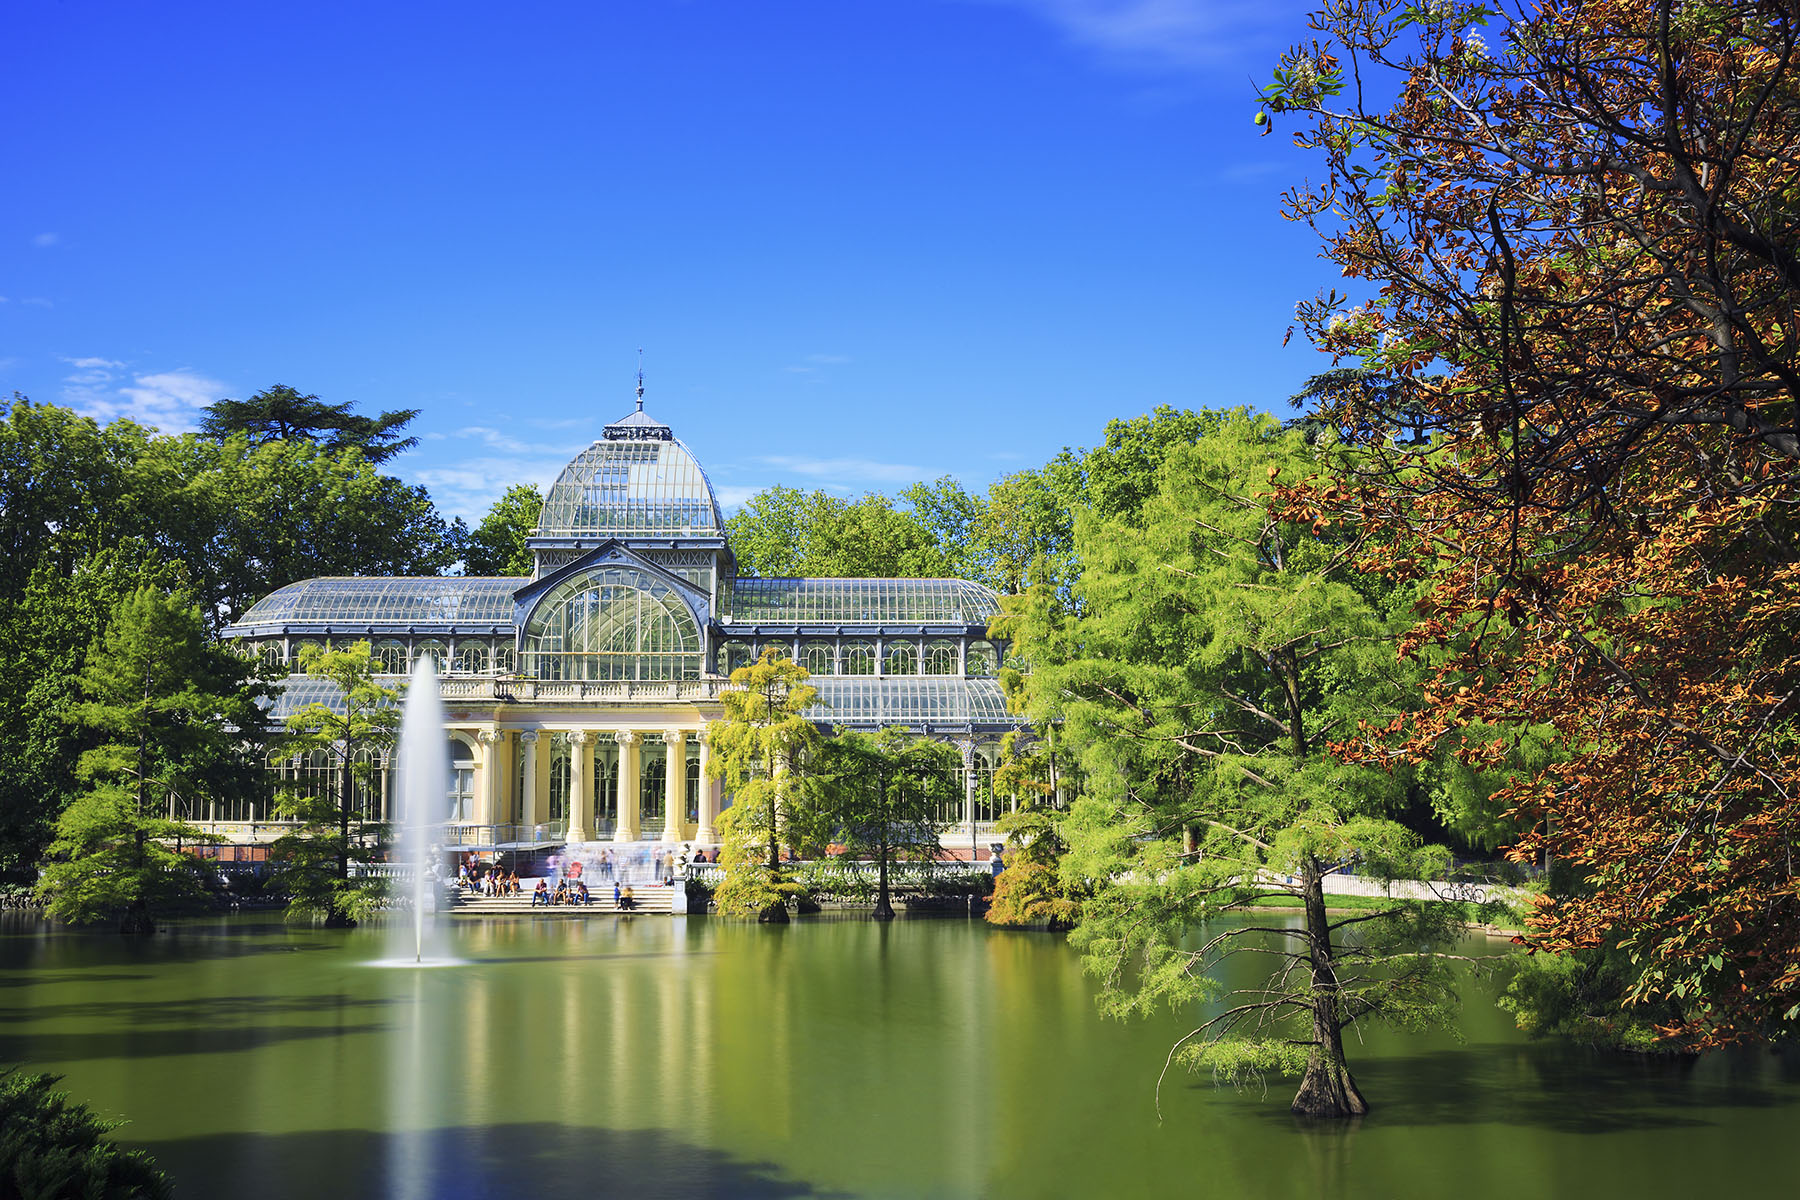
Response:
column 902, row 659
column 819, row 658
column 462, row 781
column 733, row 655
column 390, row 658
column 472, row 659
column 940, row 658
column 270, row 654
column 612, row 623
column 859, row 658
column 434, row 651
column 503, row 658
column 984, row 660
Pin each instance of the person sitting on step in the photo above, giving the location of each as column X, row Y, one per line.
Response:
column 541, row 895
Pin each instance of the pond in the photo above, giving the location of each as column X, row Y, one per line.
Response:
column 836, row 1057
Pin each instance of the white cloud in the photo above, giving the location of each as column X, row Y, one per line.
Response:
column 857, row 472
column 512, row 445
column 469, row 488
column 46, row 240
column 1152, row 33
column 168, row 400
column 38, row 302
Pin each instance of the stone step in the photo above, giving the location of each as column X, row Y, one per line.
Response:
column 649, row 900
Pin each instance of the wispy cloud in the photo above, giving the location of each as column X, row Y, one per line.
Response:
column 811, row 364
column 106, row 390
column 38, row 302
column 1244, row 172
column 512, row 445
column 44, row 241
column 847, row 472
column 469, row 488
column 1158, row 34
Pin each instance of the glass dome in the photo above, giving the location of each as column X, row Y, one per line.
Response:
column 639, row 481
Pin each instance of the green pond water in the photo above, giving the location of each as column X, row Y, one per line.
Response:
column 652, row 1057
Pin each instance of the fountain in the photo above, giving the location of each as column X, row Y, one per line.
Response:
column 423, row 788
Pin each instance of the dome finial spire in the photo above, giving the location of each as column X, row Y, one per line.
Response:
column 640, row 393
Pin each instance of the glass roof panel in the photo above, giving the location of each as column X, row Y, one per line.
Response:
column 395, row 600
column 863, row 602
column 632, row 486
column 297, row 691
column 871, row 700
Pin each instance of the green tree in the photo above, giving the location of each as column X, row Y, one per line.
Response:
column 57, row 1149
column 761, row 749
column 177, row 716
column 786, row 532
column 883, row 793
column 1031, row 891
column 497, row 545
column 281, row 414
column 313, row 861
column 1213, row 650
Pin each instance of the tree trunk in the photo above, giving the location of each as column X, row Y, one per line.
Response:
column 137, row 921
column 1327, row 1090
column 884, row 906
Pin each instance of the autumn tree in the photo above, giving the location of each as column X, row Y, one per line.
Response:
column 1211, row 651
column 176, row 715
column 351, row 733
column 760, row 748
column 1571, row 245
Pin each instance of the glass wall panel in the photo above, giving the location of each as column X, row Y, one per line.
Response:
column 940, row 658
column 435, row 652
column 652, row 787
column 606, row 785
column 462, row 781
column 984, row 660
column 390, row 658
column 733, row 655
column 472, row 658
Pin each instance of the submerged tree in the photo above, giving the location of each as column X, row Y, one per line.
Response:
column 1213, row 651
column 178, row 716
column 884, row 794
column 760, row 749
column 313, row 861
column 1585, row 230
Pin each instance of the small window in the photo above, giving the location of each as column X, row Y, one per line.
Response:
column 859, row 658
column 733, row 655
column 435, row 652
column 984, row 660
column 902, row 659
column 390, row 658
column 819, row 658
column 503, row 658
column 270, row 653
column 940, row 658
column 472, row 659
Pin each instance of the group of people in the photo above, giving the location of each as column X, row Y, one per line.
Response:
column 567, row 892
column 493, row 882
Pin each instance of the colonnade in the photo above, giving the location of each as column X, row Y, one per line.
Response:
column 522, row 757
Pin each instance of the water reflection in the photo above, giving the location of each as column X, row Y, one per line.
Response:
column 832, row 1057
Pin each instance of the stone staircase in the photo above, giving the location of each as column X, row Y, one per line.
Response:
column 650, row 899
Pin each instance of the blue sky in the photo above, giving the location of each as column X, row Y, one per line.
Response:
column 862, row 242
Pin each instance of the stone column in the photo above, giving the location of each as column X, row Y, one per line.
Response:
column 488, row 800
column 529, row 811
column 709, row 796
column 967, row 746
column 675, row 786
column 628, row 785
column 581, row 774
